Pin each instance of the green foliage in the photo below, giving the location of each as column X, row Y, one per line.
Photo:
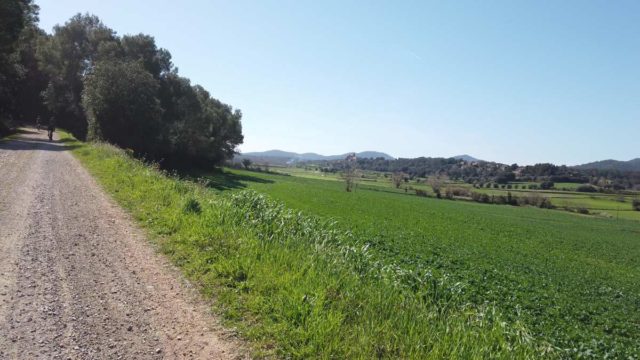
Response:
column 121, row 106
column 17, row 37
column 586, row 188
column 421, row 193
column 546, row 185
column 66, row 57
column 582, row 211
column 483, row 171
column 125, row 90
column 14, row 18
column 191, row 206
column 198, row 129
column 301, row 286
column 142, row 48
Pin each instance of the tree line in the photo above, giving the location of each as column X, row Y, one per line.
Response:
column 485, row 172
column 101, row 86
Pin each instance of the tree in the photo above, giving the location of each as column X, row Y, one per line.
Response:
column 397, row 178
column 143, row 48
column 17, row 18
column 122, row 108
column 350, row 171
column 124, row 90
column 67, row 57
column 33, row 81
column 246, row 163
column 436, row 186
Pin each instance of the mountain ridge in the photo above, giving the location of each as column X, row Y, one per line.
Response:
column 611, row 164
column 466, row 157
column 279, row 155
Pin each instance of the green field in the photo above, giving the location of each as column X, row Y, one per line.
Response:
column 299, row 286
column 598, row 204
column 573, row 280
column 378, row 273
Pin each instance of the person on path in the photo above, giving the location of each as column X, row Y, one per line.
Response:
column 51, row 129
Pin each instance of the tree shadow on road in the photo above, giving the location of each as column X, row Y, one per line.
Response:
column 26, row 131
column 21, row 144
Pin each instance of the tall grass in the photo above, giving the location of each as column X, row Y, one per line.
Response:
column 298, row 286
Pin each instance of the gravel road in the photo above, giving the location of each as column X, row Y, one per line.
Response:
column 78, row 280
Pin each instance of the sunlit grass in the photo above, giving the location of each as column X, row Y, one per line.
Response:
column 300, row 286
column 571, row 279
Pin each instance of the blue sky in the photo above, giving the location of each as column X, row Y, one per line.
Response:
column 509, row 81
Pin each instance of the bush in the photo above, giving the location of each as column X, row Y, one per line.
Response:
column 191, row 206
column 546, row 185
column 535, row 200
column 586, row 188
column 635, row 204
column 421, row 193
column 448, row 194
column 451, row 192
column 480, row 197
column 499, row 199
column 505, row 178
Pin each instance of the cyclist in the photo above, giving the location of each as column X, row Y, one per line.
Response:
column 51, row 128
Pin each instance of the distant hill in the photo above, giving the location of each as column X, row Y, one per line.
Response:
column 286, row 157
column 631, row 165
column 466, row 157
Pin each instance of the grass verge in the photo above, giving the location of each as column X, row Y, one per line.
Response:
column 297, row 286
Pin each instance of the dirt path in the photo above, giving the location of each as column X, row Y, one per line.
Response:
column 77, row 278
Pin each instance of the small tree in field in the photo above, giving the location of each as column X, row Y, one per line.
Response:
column 397, row 178
column 246, row 163
column 350, row 172
column 436, row 186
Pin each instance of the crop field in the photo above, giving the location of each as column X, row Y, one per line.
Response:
column 598, row 204
column 569, row 279
column 299, row 286
column 381, row 274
